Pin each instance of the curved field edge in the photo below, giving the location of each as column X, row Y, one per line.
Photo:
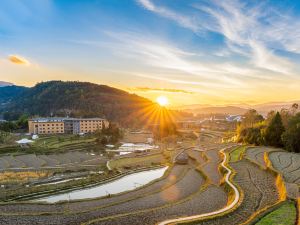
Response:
column 237, row 153
column 63, row 190
column 279, row 185
column 232, row 204
column 201, row 190
column 282, row 213
column 105, row 205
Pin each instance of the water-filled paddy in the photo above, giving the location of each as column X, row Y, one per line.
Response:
column 126, row 183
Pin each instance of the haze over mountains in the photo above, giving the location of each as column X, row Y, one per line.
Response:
column 4, row 84
column 57, row 97
column 236, row 109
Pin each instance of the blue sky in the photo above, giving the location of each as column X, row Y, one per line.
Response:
column 192, row 51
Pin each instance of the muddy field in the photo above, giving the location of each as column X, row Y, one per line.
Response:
column 256, row 154
column 288, row 164
column 259, row 189
column 51, row 161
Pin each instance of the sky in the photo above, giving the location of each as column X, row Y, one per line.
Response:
column 191, row 51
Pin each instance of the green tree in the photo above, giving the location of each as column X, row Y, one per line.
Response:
column 251, row 135
column 251, row 117
column 104, row 140
column 291, row 137
column 274, row 131
column 22, row 121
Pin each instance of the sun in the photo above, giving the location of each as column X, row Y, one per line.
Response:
column 162, row 100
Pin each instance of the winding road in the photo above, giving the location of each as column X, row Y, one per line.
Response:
column 201, row 216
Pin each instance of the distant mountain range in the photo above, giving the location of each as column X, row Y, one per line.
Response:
column 236, row 109
column 78, row 99
column 83, row 99
column 4, row 84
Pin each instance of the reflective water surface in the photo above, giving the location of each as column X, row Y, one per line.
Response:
column 126, row 183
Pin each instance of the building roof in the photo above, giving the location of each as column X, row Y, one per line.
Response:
column 60, row 119
column 24, row 141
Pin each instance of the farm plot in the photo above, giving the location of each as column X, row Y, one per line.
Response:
column 211, row 199
column 288, row 164
column 211, row 167
column 256, row 154
column 174, row 176
column 137, row 161
column 236, row 153
column 188, row 185
column 198, row 156
column 184, row 188
column 285, row 214
column 32, row 161
column 154, row 202
column 4, row 164
column 13, row 162
column 60, row 159
column 259, row 192
column 48, row 161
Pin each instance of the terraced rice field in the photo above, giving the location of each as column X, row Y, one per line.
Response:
column 183, row 191
column 259, row 192
column 52, row 144
column 198, row 156
column 256, row 154
column 237, row 153
column 211, row 199
column 288, row 164
column 136, row 161
column 36, row 162
column 177, row 194
column 172, row 177
column 211, row 166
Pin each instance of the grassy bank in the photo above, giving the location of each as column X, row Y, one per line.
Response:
column 284, row 215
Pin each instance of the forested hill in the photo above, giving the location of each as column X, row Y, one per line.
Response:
column 8, row 93
column 78, row 99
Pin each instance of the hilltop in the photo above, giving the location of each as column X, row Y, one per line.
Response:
column 9, row 92
column 4, row 84
column 78, row 99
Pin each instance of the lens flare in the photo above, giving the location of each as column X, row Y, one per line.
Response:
column 162, row 100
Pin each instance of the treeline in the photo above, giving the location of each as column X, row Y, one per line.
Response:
column 20, row 123
column 278, row 129
column 77, row 99
column 109, row 135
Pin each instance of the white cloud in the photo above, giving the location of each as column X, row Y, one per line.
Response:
column 185, row 21
column 252, row 31
column 267, row 60
column 172, row 60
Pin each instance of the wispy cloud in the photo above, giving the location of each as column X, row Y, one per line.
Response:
column 254, row 31
column 245, row 28
column 19, row 60
column 170, row 90
column 164, row 56
column 185, row 21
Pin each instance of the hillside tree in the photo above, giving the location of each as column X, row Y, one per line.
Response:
column 274, row 132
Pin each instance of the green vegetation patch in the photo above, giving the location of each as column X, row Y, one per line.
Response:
column 284, row 215
column 235, row 155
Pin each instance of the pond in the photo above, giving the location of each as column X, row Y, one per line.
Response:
column 126, row 183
